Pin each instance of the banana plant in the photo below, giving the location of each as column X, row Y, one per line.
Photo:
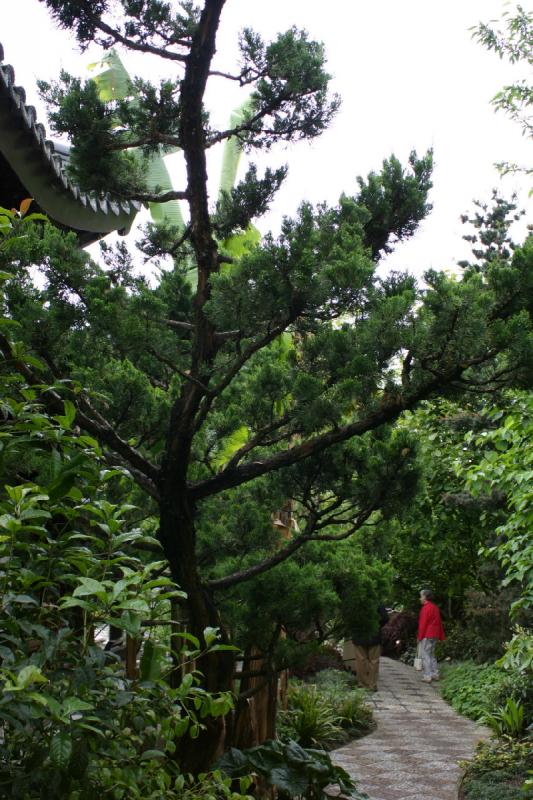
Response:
column 114, row 83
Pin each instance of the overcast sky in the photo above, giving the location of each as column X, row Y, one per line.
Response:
column 409, row 75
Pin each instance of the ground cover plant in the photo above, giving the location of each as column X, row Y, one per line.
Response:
column 476, row 690
column 497, row 771
column 325, row 710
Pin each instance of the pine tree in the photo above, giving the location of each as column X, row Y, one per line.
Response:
column 278, row 373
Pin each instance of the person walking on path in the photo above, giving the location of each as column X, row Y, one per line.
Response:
column 367, row 652
column 430, row 631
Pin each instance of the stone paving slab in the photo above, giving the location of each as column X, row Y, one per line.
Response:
column 419, row 739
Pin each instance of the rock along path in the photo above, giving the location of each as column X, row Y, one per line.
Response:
column 419, row 739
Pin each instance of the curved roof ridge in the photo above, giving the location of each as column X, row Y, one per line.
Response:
column 41, row 169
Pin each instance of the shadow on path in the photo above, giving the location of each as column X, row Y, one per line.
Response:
column 413, row 754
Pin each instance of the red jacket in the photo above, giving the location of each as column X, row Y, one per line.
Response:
column 429, row 622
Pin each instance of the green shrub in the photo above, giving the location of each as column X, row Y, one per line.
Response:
column 327, row 712
column 517, row 662
column 310, row 718
column 74, row 724
column 507, row 720
column 498, row 771
column 498, row 785
column 334, row 680
column 477, row 690
column 348, row 701
column 461, row 644
column 294, row 771
column 470, row 688
column 355, row 714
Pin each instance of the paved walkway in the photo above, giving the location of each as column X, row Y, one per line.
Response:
column 413, row 754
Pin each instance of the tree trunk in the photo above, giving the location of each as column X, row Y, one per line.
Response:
column 178, row 538
column 255, row 713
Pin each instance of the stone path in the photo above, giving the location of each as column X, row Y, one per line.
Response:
column 413, row 754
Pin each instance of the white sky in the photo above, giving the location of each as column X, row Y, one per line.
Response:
column 409, row 75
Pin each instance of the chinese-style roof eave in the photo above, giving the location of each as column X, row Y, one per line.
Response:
column 34, row 168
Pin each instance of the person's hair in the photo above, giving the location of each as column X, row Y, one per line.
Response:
column 428, row 594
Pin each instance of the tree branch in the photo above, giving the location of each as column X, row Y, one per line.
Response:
column 131, row 45
column 182, row 239
column 281, row 555
column 179, row 325
column 236, row 368
column 87, row 418
column 253, row 469
column 185, row 375
column 147, row 197
column 256, row 441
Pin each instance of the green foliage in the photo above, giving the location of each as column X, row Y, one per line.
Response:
column 310, row 719
column 507, row 720
column 514, row 44
column 435, row 539
column 518, row 656
column 464, row 643
column 174, row 371
column 395, row 201
column 77, row 109
column 498, row 770
column 349, row 702
column 506, row 465
column 73, row 723
column 325, row 710
column 290, row 101
column 468, row 686
column 292, row 770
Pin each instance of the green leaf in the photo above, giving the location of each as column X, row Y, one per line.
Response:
column 240, row 244
column 211, row 635
column 148, row 755
column 72, row 705
column 36, row 217
column 89, row 586
column 30, row 674
column 135, row 604
column 61, row 750
column 151, row 661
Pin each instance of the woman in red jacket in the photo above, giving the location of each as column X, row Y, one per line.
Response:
column 430, row 631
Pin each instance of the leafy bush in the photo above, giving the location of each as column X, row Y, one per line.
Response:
column 476, row 690
column 354, row 712
column 518, row 655
column 497, row 771
column 348, row 701
column 462, row 643
column 334, row 680
column 470, row 688
column 326, row 712
column 517, row 662
column 294, row 771
column 310, row 718
column 315, row 659
column 73, row 722
column 507, row 720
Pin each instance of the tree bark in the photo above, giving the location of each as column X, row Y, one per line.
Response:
column 178, row 539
